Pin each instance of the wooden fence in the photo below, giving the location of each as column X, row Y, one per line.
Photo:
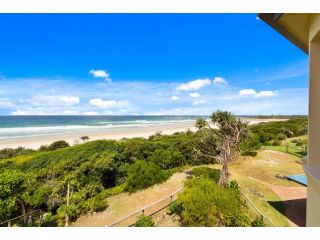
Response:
column 32, row 217
column 149, row 210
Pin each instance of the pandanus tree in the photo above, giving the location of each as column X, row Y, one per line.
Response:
column 228, row 132
column 201, row 123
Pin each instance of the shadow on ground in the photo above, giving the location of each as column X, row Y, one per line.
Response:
column 295, row 210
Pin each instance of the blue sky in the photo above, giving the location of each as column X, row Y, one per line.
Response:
column 152, row 64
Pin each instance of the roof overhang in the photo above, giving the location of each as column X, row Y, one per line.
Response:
column 293, row 26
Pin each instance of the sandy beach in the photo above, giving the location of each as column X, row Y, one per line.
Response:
column 34, row 142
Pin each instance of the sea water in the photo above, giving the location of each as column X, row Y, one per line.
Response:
column 22, row 126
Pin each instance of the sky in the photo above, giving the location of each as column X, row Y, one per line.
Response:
column 148, row 64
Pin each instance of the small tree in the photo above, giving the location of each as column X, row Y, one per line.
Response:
column 201, row 123
column 84, row 138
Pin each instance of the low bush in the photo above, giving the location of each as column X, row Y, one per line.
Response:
column 144, row 174
column 58, row 144
column 175, row 208
column 204, row 203
column 206, row 172
column 258, row 222
column 276, row 143
column 144, row 221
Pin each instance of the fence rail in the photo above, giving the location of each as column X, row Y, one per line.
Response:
column 256, row 209
column 148, row 210
column 31, row 217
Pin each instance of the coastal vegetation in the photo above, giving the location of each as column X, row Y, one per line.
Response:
column 90, row 172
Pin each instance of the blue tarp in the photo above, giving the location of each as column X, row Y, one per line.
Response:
column 300, row 178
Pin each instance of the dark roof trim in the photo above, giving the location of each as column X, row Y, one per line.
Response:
column 272, row 20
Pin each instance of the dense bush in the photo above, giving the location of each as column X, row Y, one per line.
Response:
column 58, row 144
column 13, row 152
column 250, row 145
column 258, row 222
column 143, row 174
column 206, row 172
column 278, row 130
column 175, row 208
column 204, row 203
column 144, row 221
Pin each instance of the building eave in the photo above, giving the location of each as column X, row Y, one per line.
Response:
column 272, row 20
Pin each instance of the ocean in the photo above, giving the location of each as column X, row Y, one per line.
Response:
column 22, row 126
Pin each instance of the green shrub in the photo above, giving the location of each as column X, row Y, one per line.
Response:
column 276, row 143
column 144, row 174
column 175, row 208
column 211, row 173
column 44, row 148
column 58, row 144
column 258, row 222
column 144, row 221
column 204, row 203
column 168, row 158
column 12, row 152
column 281, row 137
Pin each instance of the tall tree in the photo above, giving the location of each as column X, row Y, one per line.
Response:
column 229, row 133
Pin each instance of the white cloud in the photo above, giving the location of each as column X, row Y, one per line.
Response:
column 100, row 103
column 198, row 102
column 90, row 113
column 246, row 92
column 174, row 98
column 6, row 103
column 194, row 85
column 253, row 93
column 220, row 81
column 194, row 95
column 69, row 100
column 101, row 74
column 266, row 94
column 54, row 100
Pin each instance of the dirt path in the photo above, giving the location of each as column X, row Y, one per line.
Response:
column 123, row 204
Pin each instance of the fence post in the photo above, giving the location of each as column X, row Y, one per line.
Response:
column 9, row 223
column 287, row 146
column 171, row 198
column 142, row 212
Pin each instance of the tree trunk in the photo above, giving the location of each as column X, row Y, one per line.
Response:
column 19, row 201
column 223, row 180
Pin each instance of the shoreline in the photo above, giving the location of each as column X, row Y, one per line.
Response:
column 34, row 142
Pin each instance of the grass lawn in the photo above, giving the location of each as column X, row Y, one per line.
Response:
column 275, row 215
column 293, row 148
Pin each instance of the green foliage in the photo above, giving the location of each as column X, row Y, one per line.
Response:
column 204, row 203
column 250, row 145
column 144, row 221
column 201, row 123
column 15, row 187
column 278, row 130
column 175, row 208
column 276, row 142
column 206, row 172
column 13, row 152
column 168, row 158
column 258, row 222
column 58, row 144
column 143, row 174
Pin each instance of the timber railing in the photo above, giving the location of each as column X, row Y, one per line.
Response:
column 267, row 221
column 31, row 218
column 148, row 210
